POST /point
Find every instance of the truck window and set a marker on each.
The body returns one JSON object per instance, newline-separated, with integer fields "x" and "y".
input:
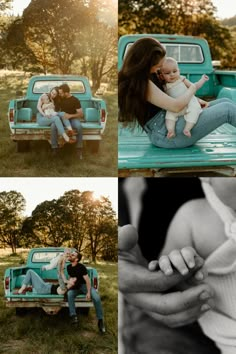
{"x": 39, "y": 257}
{"x": 76, "y": 86}
{"x": 183, "y": 53}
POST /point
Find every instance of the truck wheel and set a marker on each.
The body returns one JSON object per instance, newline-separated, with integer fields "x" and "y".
{"x": 83, "y": 311}
{"x": 23, "y": 146}
{"x": 94, "y": 146}
{"x": 21, "y": 311}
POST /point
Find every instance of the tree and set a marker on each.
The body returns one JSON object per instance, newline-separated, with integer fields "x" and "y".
{"x": 5, "y": 5}
{"x": 12, "y": 204}
{"x": 100, "y": 56}
{"x": 18, "y": 54}
{"x": 49, "y": 223}
{"x": 51, "y": 28}
{"x": 101, "y": 228}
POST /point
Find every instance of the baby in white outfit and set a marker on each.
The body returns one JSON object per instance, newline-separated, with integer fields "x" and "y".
{"x": 175, "y": 86}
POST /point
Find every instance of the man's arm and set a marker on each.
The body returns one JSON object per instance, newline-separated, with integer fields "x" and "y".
{"x": 79, "y": 114}
{"x": 88, "y": 284}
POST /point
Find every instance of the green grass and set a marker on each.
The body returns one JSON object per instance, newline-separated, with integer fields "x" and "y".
{"x": 38, "y": 162}
{"x": 39, "y": 333}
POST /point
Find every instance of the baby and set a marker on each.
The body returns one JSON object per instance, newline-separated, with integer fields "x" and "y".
{"x": 59, "y": 262}
{"x": 48, "y": 106}
{"x": 176, "y": 85}
{"x": 208, "y": 227}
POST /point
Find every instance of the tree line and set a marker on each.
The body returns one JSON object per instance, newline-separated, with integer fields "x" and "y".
{"x": 65, "y": 37}
{"x": 196, "y": 18}
{"x": 76, "y": 219}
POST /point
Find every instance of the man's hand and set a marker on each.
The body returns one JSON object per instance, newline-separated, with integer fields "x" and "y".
{"x": 67, "y": 116}
{"x": 144, "y": 289}
{"x": 88, "y": 296}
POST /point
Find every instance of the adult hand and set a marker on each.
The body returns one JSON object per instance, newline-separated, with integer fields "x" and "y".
{"x": 66, "y": 116}
{"x": 145, "y": 289}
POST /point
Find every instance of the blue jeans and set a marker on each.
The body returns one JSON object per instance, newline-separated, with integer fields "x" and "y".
{"x": 40, "y": 287}
{"x": 76, "y": 125}
{"x": 55, "y": 121}
{"x": 218, "y": 113}
{"x": 71, "y": 295}
{"x": 66, "y": 122}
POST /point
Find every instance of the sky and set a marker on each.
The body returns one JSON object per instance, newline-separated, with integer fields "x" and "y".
{"x": 226, "y": 8}
{"x": 37, "y": 190}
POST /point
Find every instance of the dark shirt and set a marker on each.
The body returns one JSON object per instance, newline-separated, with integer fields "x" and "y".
{"x": 152, "y": 110}
{"x": 78, "y": 271}
{"x": 54, "y": 289}
{"x": 70, "y": 105}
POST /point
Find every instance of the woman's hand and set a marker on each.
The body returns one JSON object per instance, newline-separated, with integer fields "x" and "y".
{"x": 144, "y": 289}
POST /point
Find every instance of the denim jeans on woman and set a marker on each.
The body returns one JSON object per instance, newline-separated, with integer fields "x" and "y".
{"x": 39, "y": 286}
{"x": 56, "y": 120}
{"x": 76, "y": 125}
{"x": 219, "y": 112}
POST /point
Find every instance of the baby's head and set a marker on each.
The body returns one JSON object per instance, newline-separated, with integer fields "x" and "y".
{"x": 67, "y": 252}
{"x": 45, "y": 99}
{"x": 170, "y": 70}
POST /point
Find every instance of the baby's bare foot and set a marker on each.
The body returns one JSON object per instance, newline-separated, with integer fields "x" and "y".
{"x": 171, "y": 134}
{"x": 187, "y": 133}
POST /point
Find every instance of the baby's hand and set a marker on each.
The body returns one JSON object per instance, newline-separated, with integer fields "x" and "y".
{"x": 181, "y": 260}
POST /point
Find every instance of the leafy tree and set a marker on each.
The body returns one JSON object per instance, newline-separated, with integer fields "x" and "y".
{"x": 101, "y": 228}
{"x": 17, "y": 51}
{"x": 50, "y": 30}
{"x": 5, "y": 5}
{"x": 12, "y": 204}
{"x": 49, "y": 223}
{"x": 100, "y": 56}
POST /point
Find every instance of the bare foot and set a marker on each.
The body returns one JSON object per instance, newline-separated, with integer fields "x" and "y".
{"x": 187, "y": 133}
{"x": 171, "y": 134}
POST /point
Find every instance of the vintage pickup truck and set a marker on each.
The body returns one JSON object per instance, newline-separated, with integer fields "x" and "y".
{"x": 51, "y": 304}
{"x": 22, "y": 111}
{"x": 214, "y": 154}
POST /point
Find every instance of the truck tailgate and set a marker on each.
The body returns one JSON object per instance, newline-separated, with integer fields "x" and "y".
{"x": 216, "y": 149}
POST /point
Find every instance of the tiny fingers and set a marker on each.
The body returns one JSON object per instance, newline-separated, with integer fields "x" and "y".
{"x": 165, "y": 265}
{"x": 178, "y": 261}
{"x": 188, "y": 254}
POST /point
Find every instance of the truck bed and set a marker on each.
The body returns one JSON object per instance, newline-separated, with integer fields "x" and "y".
{"x": 216, "y": 152}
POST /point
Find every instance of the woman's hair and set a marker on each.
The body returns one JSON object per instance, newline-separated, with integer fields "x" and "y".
{"x": 57, "y": 99}
{"x": 133, "y": 79}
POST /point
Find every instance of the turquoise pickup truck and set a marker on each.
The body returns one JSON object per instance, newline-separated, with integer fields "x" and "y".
{"x": 51, "y": 304}
{"x": 214, "y": 154}
{"x": 22, "y": 111}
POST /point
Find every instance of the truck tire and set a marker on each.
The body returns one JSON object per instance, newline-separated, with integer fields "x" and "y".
{"x": 23, "y": 146}
{"x": 94, "y": 146}
{"x": 21, "y": 311}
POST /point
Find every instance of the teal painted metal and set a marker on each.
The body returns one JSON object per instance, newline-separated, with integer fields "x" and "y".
{"x": 31, "y": 299}
{"x": 217, "y": 149}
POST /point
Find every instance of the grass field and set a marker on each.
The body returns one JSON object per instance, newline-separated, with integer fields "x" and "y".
{"x": 38, "y": 162}
{"x": 38, "y": 333}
